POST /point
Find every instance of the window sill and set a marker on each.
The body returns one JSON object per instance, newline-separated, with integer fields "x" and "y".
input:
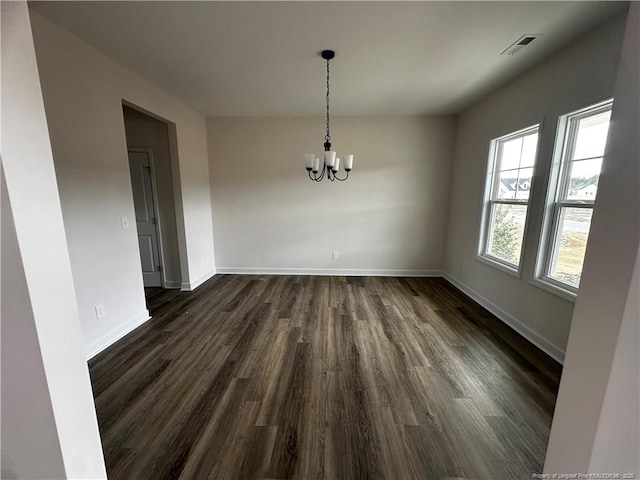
{"x": 554, "y": 289}
{"x": 514, "y": 272}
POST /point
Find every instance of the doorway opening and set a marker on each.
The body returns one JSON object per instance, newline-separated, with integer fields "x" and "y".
{"x": 154, "y": 199}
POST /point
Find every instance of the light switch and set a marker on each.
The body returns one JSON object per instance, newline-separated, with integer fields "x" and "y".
{"x": 124, "y": 221}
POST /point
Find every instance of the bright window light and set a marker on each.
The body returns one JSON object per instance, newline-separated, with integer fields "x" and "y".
{"x": 580, "y": 147}
{"x": 510, "y": 175}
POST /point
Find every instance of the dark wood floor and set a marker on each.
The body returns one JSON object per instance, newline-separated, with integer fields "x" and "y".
{"x": 274, "y": 377}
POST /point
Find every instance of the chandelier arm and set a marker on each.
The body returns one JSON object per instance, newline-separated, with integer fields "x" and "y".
{"x": 320, "y": 177}
{"x": 341, "y": 179}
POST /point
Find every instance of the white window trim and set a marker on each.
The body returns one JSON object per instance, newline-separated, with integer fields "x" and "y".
{"x": 553, "y": 206}
{"x": 485, "y": 216}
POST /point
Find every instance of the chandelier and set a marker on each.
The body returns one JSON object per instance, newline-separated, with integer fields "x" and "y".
{"x": 330, "y": 163}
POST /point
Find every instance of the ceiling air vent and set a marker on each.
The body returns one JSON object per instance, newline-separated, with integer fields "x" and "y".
{"x": 522, "y": 42}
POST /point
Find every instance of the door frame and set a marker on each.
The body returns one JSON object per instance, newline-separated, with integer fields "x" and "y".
{"x": 156, "y": 211}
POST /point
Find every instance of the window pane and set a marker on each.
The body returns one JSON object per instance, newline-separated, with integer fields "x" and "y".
{"x": 507, "y": 185}
{"x": 510, "y": 154}
{"x": 506, "y": 231}
{"x": 514, "y": 184}
{"x": 592, "y": 136}
{"x": 524, "y": 183}
{"x": 570, "y": 245}
{"x": 583, "y": 179}
{"x": 529, "y": 150}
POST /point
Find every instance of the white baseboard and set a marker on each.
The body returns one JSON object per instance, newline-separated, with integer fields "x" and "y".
{"x": 542, "y": 343}
{"x": 103, "y": 342}
{"x": 330, "y": 271}
{"x": 172, "y": 284}
{"x": 192, "y": 285}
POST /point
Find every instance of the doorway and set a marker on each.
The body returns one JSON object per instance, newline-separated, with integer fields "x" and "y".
{"x": 153, "y": 189}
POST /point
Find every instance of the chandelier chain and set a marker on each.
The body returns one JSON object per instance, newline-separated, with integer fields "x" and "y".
{"x": 327, "y": 137}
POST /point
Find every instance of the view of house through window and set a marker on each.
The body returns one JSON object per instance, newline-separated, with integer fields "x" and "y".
{"x": 509, "y": 177}
{"x": 579, "y": 151}
{"x": 582, "y": 137}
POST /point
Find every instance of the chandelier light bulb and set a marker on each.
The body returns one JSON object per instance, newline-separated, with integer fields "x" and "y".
{"x": 309, "y": 158}
{"x": 330, "y": 158}
{"x": 348, "y": 162}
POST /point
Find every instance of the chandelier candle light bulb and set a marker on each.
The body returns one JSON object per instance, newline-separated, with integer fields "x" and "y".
{"x": 309, "y": 159}
{"x": 330, "y": 158}
{"x": 331, "y": 164}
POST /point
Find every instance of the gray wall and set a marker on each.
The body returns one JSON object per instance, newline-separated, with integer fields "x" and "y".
{"x": 576, "y": 76}
{"x": 83, "y": 91}
{"x": 597, "y": 408}
{"x": 28, "y": 426}
{"x": 49, "y": 425}
{"x": 389, "y": 216}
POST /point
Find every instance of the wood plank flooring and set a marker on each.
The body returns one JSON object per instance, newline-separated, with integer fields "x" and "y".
{"x": 275, "y": 377}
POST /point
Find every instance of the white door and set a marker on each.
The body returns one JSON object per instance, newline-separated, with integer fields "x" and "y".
{"x": 146, "y": 220}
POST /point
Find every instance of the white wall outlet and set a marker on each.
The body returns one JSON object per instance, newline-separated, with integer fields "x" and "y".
{"x": 100, "y": 312}
{"x": 124, "y": 221}
{"x": 336, "y": 255}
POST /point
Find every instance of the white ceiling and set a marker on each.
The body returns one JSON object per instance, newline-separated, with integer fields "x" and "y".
{"x": 262, "y": 58}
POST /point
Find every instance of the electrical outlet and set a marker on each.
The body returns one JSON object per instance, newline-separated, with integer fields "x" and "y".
{"x": 100, "y": 311}
{"x": 336, "y": 255}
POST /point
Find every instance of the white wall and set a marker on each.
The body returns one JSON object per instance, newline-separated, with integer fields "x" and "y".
{"x": 83, "y": 92}
{"x": 49, "y": 426}
{"x": 617, "y": 443}
{"x": 576, "y": 76}
{"x": 28, "y": 427}
{"x": 388, "y": 217}
{"x": 145, "y": 131}
{"x": 592, "y": 409}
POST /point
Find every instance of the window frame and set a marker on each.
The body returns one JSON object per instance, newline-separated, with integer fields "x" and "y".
{"x": 556, "y": 201}
{"x": 489, "y": 200}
